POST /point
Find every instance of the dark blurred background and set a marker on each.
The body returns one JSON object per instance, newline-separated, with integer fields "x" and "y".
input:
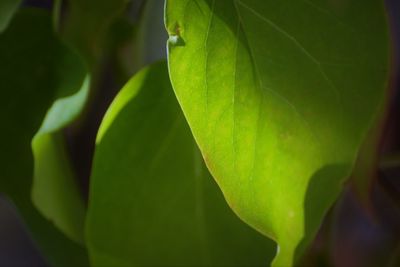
{"x": 352, "y": 234}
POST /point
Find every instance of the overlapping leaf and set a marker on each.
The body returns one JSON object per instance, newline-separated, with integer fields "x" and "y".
{"x": 55, "y": 192}
{"x": 33, "y": 68}
{"x": 279, "y": 95}
{"x": 152, "y": 201}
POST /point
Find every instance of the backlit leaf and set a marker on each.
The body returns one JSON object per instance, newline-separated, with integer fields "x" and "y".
{"x": 279, "y": 96}
{"x": 152, "y": 200}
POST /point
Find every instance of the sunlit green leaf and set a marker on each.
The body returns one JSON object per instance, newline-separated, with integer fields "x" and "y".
{"x": 152, "y": 200}
{"x": 33, "y": 64}
{"x": 279, "y": 95}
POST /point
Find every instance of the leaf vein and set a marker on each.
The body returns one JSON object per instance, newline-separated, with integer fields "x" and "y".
{"x": 297, "y": 43}
{"x": 206, "y": 54}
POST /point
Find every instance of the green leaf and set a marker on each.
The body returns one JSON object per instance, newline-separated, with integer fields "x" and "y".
{"x": 152, "y": 200}
{"x": 7, "y": 10}
{"x": 279, "y": 95}
{"x": 33, "y": 66}
{"x": 55, "y": 192}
